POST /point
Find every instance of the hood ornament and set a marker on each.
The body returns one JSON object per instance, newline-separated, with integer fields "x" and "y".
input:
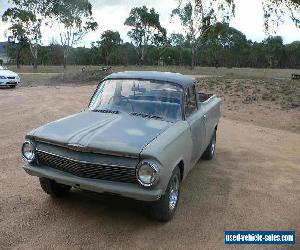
{"x": 76, "y": 147}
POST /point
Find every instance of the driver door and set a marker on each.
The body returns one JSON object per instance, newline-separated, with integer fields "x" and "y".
{"x": 196, "y": 121}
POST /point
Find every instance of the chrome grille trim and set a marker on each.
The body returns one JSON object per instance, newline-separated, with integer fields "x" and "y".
{"x": 87, "y": 169}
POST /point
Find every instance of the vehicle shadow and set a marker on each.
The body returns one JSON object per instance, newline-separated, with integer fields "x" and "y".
{"x": 104, "y": 206}
{"x": 206, "y": 182}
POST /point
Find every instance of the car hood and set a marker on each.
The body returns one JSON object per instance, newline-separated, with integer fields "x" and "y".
{"x": 108, "y": 133}
{"x": 5, "y": 72}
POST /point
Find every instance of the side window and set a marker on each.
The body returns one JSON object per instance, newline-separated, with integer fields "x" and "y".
{"x": 190, "y": 101}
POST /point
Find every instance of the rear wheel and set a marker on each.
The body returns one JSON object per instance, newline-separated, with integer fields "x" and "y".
{"x": 210, "y": 151}
{"x": 164, "y": 209}
{"x": 53, "y": 188}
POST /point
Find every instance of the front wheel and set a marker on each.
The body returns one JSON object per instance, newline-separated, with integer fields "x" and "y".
{"x": 53, "y": 188}
{"x": 210, "y": 151}
{"x": 164, "y": 209}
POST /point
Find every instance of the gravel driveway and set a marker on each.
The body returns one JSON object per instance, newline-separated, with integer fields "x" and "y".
{"x": 253, "y": 184}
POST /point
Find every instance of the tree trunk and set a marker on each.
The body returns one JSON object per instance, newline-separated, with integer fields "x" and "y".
{"x": 65, "y": 59}
{"x": 66, "y": 53}
{"x": 34, "y": 52}
{"x": 270, "y": 61}
{"x": 65, "y": 62}
{"x": 35, "y": 62}
{"x": 142, "y": 59}
{"x": 181, "y": 58}
{"x": 18, "y": 57}
{"x": 141, "y": 62}
{"x": 193, "y": 57}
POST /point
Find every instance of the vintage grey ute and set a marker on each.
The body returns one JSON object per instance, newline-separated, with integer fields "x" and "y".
{"x": 139, "y": 137}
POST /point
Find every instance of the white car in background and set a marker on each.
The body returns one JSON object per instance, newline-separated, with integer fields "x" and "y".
{"x": 8, "y": 78}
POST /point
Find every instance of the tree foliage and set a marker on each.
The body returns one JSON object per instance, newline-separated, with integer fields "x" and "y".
{"x": 75, "y": 17}
{"x": 197, "y": 16}
{"x": 222, "y": 39}
{"x": 110, "y": 41}
{"x": 26, "y": 18}
{"x": 145, "y": 30}
{"x": 275, "y": 11}
{"x": 207, "y": 38}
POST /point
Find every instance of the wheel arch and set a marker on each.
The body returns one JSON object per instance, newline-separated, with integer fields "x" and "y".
{"x": 180, "y": 165}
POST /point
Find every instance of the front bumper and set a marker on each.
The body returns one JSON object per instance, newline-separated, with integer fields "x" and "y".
{"x": 9, "y": 83}
{"x": 133, "y": 191}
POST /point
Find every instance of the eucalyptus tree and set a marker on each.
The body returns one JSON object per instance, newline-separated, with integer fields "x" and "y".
{"x": 277, "y": 11}
{"x": 178, "y": 41}
{"x": 274, "y": 50}
{"x": 26, "y": 18}
{"x": 197, "y": 16}
{"x": 145, "y": 30}
{"x": 274, "y": 11}
{"x": 75, "y": 21}
{"x": 17, "y": 48}
{"x": 110, "y": 41}
{"x": 223, "y": 42}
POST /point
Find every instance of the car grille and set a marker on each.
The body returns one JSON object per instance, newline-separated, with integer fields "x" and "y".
{"x": 10, "y": 77}
{"x": 87, "y": 170}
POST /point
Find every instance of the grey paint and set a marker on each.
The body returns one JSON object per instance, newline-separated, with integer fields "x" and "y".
{"x": 129, "y": 136}
{"x": 176, "y": 78}
{"x": 109, "y": 132}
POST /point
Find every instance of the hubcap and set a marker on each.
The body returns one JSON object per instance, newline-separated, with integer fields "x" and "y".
{"x": 174, "y": 192}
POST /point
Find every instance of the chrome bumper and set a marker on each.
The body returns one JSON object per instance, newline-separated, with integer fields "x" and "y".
{"x": 133, "y": 191}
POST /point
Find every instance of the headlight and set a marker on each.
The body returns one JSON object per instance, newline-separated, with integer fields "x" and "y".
{"x": 147, "y": 173}
{"x": 2, "y": 77}
{"x": 28, "y": 151}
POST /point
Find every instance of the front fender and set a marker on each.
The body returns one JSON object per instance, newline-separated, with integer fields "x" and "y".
{"x": 169, "y": 149}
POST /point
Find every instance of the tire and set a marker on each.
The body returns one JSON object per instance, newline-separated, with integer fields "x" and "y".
{"x": 53, "y": 188}
{"x": 210, "y": 151}
{"x": 164, "y": 209}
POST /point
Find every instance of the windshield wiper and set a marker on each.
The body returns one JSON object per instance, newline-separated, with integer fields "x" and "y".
{"x": 106, "y": 111}
{"x": 144, "y": 115}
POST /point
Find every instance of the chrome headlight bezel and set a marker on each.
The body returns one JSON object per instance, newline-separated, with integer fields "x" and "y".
{"x": 32, "y": 145}
{"x": 152, "y": 166}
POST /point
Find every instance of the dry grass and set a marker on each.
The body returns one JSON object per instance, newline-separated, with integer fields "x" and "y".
{"x": 245, "y": 84}
{"x": 285, "y": 93}
{"x": 210, "y": 71}
{"x": 80, "y": 77}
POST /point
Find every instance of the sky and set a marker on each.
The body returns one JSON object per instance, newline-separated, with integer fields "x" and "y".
{"x": 111, "y": 14}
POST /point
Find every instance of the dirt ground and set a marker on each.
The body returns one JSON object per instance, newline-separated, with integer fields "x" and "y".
{"x": 252, "y": 184}
{"x": 264, "y": 102}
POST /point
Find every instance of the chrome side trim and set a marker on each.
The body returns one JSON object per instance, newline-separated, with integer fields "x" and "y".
{"x": 85, "y": 162}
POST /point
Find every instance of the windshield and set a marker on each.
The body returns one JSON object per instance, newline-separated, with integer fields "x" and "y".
{"x": 152, "y": 99}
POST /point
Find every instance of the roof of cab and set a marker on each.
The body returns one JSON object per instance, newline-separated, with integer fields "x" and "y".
{"x": 177, "y": 78}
